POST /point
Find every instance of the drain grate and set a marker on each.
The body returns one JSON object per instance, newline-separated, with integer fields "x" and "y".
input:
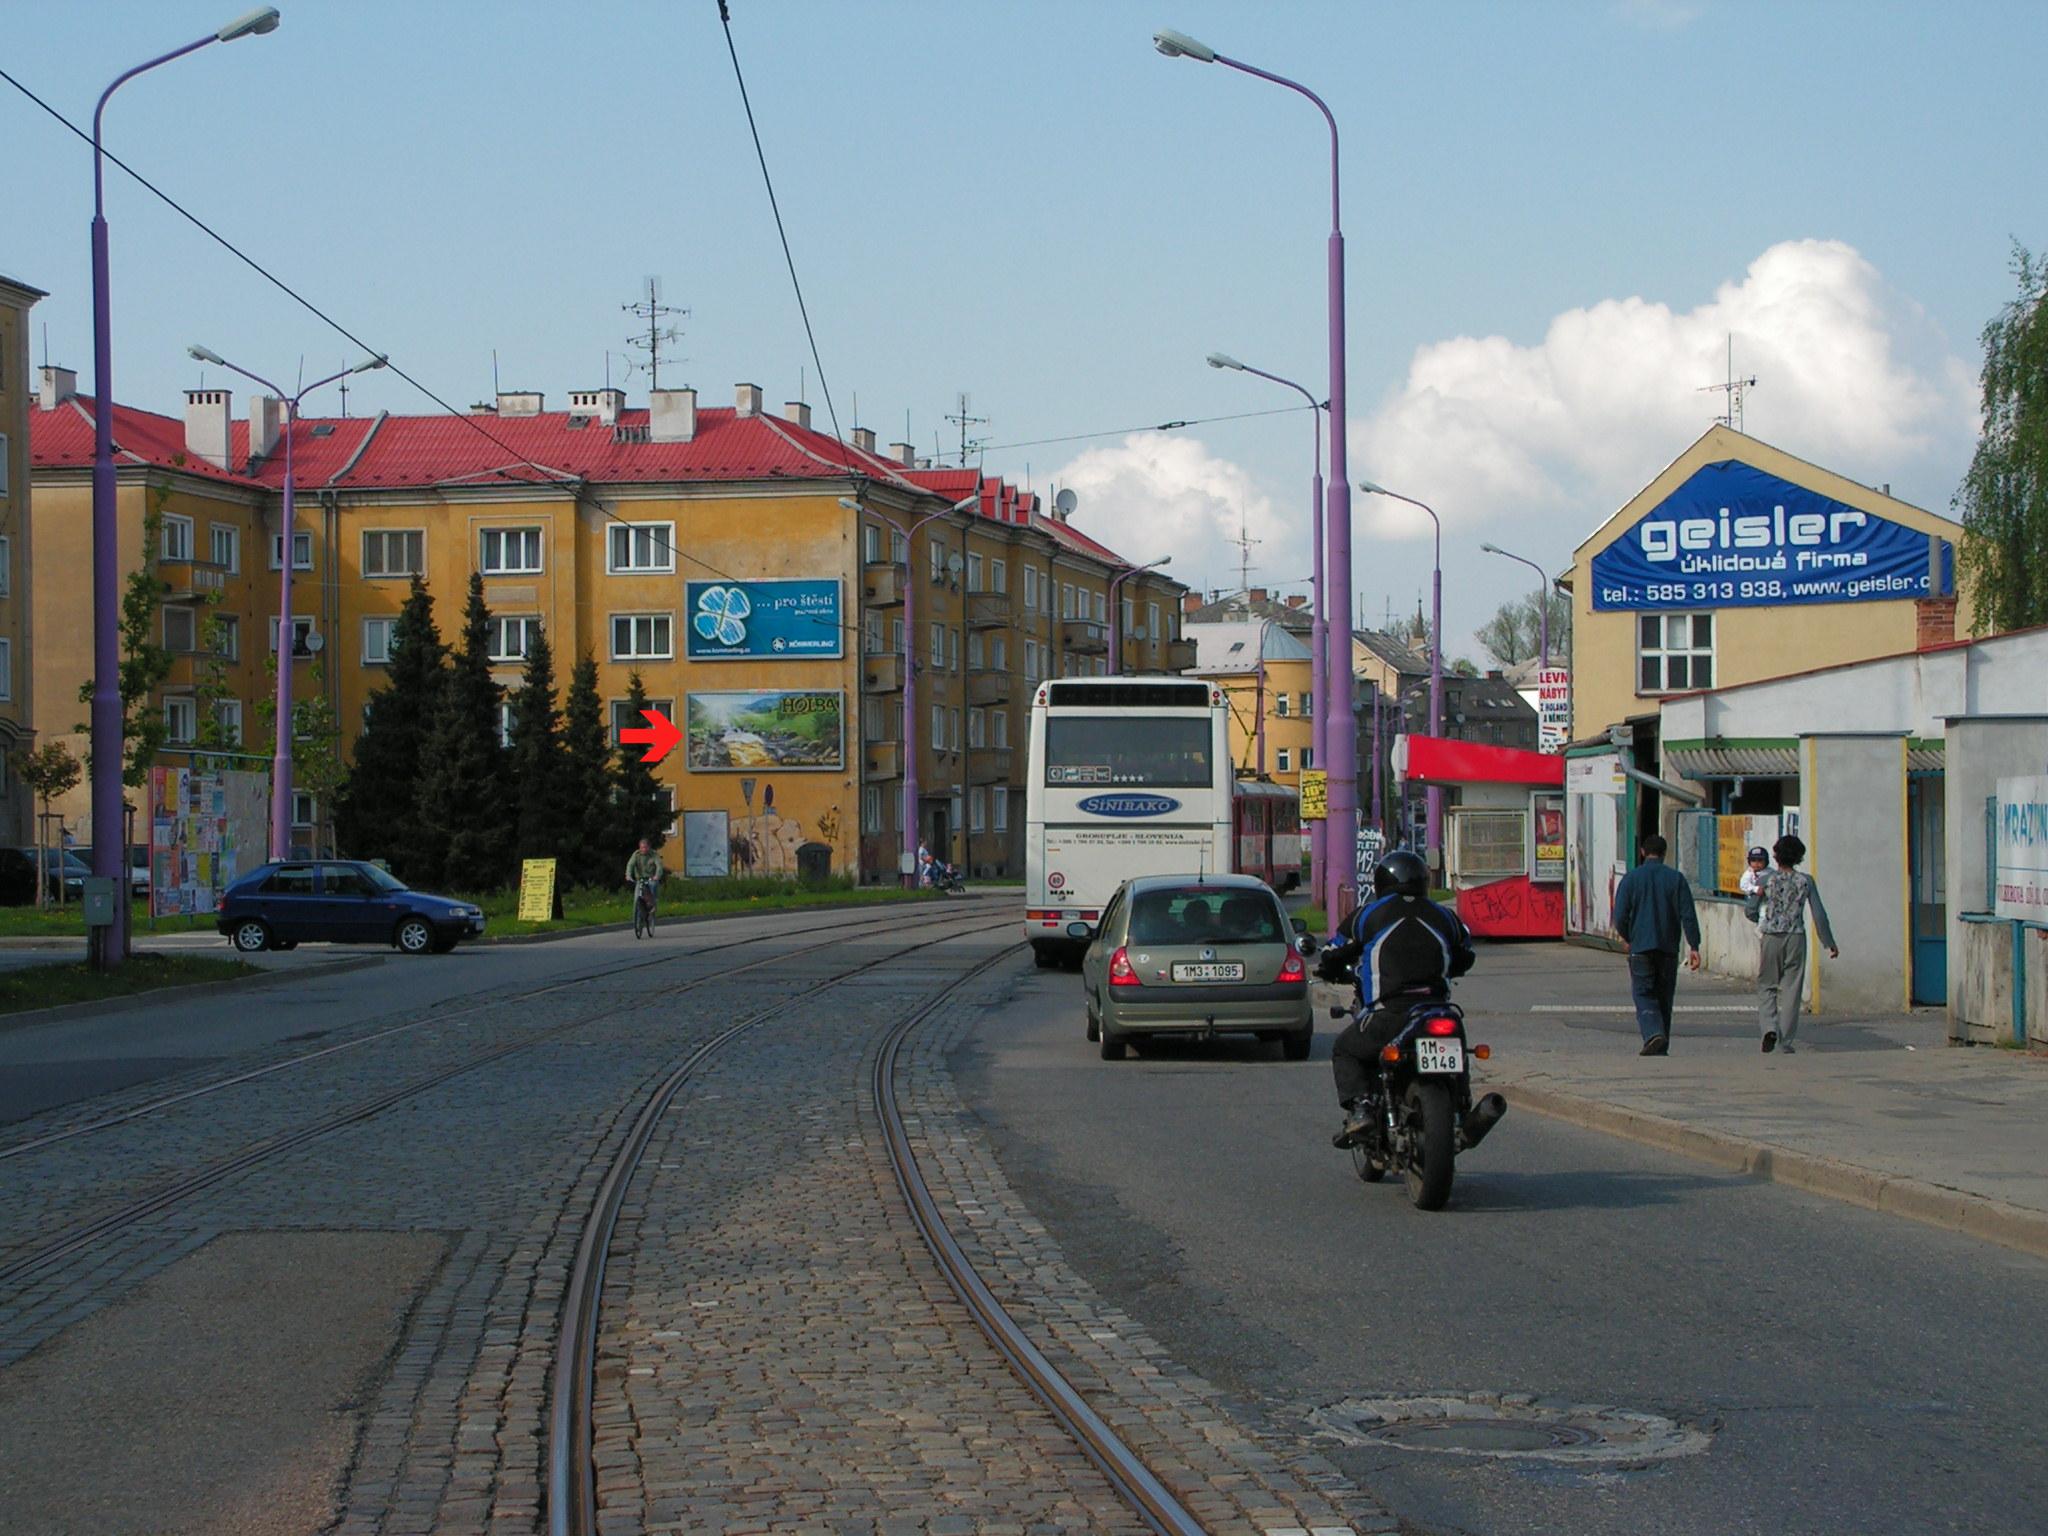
{"x": 1512, "y": 1426}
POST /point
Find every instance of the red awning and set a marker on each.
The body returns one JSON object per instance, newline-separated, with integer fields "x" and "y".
{"x": 1439, "y": 760}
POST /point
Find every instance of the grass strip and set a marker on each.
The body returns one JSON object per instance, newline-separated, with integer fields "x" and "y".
{"x": 48, "y": 986}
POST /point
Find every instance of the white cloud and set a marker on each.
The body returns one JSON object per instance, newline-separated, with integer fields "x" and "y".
{"x": 1852, "y": 377}
{"x": 1154, "y": 494}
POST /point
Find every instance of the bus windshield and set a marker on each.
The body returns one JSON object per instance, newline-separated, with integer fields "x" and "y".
{"x": 1160, "y": 751}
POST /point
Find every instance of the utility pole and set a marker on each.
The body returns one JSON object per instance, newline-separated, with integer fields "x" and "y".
{"x": 657, "y": 335}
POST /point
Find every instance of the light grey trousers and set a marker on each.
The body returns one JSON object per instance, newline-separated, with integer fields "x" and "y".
{"x": 1780, "y": 983}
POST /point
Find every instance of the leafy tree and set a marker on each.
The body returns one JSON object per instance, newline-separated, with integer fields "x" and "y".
{"x": 590, "y": 779}
{"x": 212, "y": 685}
{"x": 145, "y": 662}
{"x": 465, "y": 789}
{"x": 643, "y": 806}
{"x": 539, "y": 770}
{"x": 377, "y": 814}
{"x": 316, "y": 739}
{"x": 46, "y": 772}
{"x": 1515, "y": 632}
{"x": 2004, "y": 497}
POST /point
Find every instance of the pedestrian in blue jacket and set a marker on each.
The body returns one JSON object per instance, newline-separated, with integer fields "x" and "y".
{"x": 1652, "y": 907}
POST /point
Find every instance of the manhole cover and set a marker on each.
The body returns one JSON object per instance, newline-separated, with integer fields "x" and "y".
{"x": 1514, "y": 1426}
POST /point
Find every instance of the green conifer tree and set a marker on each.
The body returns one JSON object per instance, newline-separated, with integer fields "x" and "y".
{"x": 539, "y": 790}
{"x": 377, "y": 812}
{"x": 465, "y": 784}
{"x": 591, "y": 783}
{"x": 642, "y": 806}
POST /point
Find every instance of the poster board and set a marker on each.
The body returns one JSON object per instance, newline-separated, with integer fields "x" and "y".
{"x": 707, "y": 844}
{"x": 207, "y": 827}
{"x": 1315, "y": 795}
{"x": 2021, "y": 837}
{"x": 1553, "y": 709}
{"x": 793, "y": 730}
{"x": 1547, "y": 864}
{"x": 536, "y": 890}
{"x": 764, "y": 620}
{"x": 1597, "y": 811}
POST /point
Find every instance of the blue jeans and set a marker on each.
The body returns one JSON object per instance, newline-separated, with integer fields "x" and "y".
{"x": 1653, "y": 974}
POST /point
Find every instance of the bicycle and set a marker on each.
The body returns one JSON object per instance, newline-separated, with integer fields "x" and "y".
{"x": 643, "y": 909}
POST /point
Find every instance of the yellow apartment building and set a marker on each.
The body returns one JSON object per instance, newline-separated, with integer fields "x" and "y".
{"x": 17, "y": 683}
{"x": 1265, "y": 673}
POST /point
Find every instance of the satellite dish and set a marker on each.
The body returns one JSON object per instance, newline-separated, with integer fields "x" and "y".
{"x": 315, "y": 641}
{"x": 1065, "y": 502}
{"x": 955, "y": 564}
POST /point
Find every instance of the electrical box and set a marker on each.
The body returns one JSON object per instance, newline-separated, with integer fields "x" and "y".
{"x": 99, "y": 901}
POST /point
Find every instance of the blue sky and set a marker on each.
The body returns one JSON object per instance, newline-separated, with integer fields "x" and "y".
{"x": 1027, "y": 203}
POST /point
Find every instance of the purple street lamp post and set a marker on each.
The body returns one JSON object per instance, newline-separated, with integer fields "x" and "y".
{"x": 910, "y": 785}
{"x": 1319, "y": 669}
{"x": 1433, "y": 834}
{"x": 287, "y": 651}
{"x": 109, "y": 836}
{"x": 1116, "y": 614}
{"x": 1542, "y": 596}
{"x": 1340, "y": 731}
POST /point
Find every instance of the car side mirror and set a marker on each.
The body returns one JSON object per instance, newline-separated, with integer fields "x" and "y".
{"x": 1304, "y": 945}
{"x": 1301, "y": 925}
{"x": 1082, "y": 931}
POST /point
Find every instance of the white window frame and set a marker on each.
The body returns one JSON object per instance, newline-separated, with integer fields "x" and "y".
{"x": 504, "y": 722}
{"x": 1101, "y": 605}
{"x": 1308, "y": 758}
{"x": 1664, "y": 652}
{"x": 1279, "y": 706}
{"x": 302, "y": 624}
{"x": 6, "y": 667}
{"x": 871, "y": 633}
{"x": 977, "y": 727}
{"x": 302, "y": 551}
{"x": 495, "y": 633}
{"x": 896, "y": 636}
{"x": 977, "y": 809}
{"x": 3, "y": 464}
{"x": 1031, "y": 589}
{"x": 935, "y": 557}
{"x": 899, "y": 547}
{"x": 1152, "y": 623}
{"x": 382, "y": 538}
{"x": 1305, "y": 705}
{"x": 1284, "y": 759}
{"x": 174, "y": 540}
{"x": 181, "y": 720}
{"x": 660, "y": 539}
{"x": 871, "y": 810}
{"x": 388, "y": 628}
{"x": 977, "y": 652}
{"x": 305, "y": 809}
{"x": 974, "y": 571}
{"x": 1002, "y": 729}
{"x": 216, "y": 534}
{"x": 870, "y": 543}
{"x": 938, "y": 647}
{"x": 504, "y": 538}
{"x": 6, "y": 562}
{"x": 1127, "y": 613}
{"x": 999, "y": 576}
{"x": 615, "y": 713}
{"x": 999, "y": 653}
{"x": 938, "y": 727}
{"x": 666, "y": 623}
{"x": 1002, "y": 806}
{"x": 229, "y": 713}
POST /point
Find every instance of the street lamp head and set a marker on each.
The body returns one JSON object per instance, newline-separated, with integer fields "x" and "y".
{"x": 1224, "y": 360}
{"x": 206, "y": 355}
{"x": 1493, "y": 549}
{"x": 1178, "y": 45}
{"x": 850, "y": 504}
{"x": 381, "y": 360}
{"x": 259, "y": 21}
{"x": 1373, "y": 488}
{"x": 1163, "y": 560}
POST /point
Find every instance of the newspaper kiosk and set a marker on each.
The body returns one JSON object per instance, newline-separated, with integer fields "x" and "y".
{"x": 1504, "y": 839}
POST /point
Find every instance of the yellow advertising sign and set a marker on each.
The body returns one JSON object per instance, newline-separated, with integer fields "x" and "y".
{"x": 536, "y": 890}
{"x": 1315, "y": 795}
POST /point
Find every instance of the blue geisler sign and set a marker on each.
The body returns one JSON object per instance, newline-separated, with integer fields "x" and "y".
{"x": 736, "y": 620}
{"x": 1734, "y": 536}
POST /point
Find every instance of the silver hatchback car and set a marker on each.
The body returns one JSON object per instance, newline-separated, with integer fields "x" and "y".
{"x": 1182, "y": 954}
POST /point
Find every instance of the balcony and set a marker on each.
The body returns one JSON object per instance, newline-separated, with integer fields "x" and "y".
{"x": 882, "y": 585}
{"x": 881, "y": 674}
{"x": 988, "y": 765}
{"x": 1085, "y": 636}
{"x": 988, "y": 610}
{"x": 1180, "y": 655}
{"x": 189, "y": 579}
{"x": 985, "y": 685}
{"x": 883, "y": 759}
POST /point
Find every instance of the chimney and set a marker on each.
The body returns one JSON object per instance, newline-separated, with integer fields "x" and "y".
{"x": 1934, "y": 622}
{"x": 266, "y": 422}
{"x": 59, "y": 385}
{"x": 1257, "y": 594}
{"x": 483, "y": 408}
{"x": 605, "y": 404}
{"x": 1190, "y": 601}
{"x": 864, "y": 439}
{"x": 207, "y": 412}
{"x": 671, "y": 415}
{"x": 903, "y": 454}
{"x": 747, "y": 399}
{"x": 519, "y": 402}
{"x": 797, "y": 413}
{"x": 1296, "y": 600}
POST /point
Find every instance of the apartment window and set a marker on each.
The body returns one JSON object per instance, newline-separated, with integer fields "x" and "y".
{"x": 1308, "y": 758}
{"x": 1002, "y": 798}
{"x": 1280, "y": 705}
{"x": 1067, "y": 600}
{"x": 977, "y": 809}
{"x": 999, "y": 576}
{"x": 1285, "y": 760}
{"x": 6, "y": 669}
{"x": 305, "y": 809}
{"x": 871, "y": 633}
{"x": 509, "y": 552}
{"x": 1674, "y": 652}
{"x": 1152, "y": 623}
{"x": 1002, "y": 728}
{"x": 636, "y": 548}
{"x": 953, "y": 732}
{"x": 871, "y": 809}
{"x": 870, "y": 544}
{"x": 999, "y": 653}
{"x": 642, "y": 637}
{"x": 227, "y": 714}
{"x": 181, "y": 630}
{"x": 874, "y": 725}
{"x": 377, "y": 637}
{"x": 975, "y": 652}
{"x": 1128, "y": 618}
{"x": 1101, "y": 608}
{"x": 953, "y": 650}
{"x": 974, "y": 571}
{"x": 3, "y": 463}
{"x": 977, "y": 727}
{"x": 509, "y": 639}
{"x": 1305, "y": 704}
{"x": 302, "y": 631}
{"x": 394, "y": 552}
{"x": 938, "y": 650}
{"x": 1031, "y": 588}
{"x": 623, "y": 716}
{"x": 302, "y": 551}
{"x": 227, "y": 636}
{"x": 6, "y": 562}
{"x": 899, "y": 547}
{"x": 181, "y": 720}
{"x": 176, "y": 538}
{"x": 224, "y": 546}
{"x": 938, "y": 728}
{"x": 936, "y": 558}
{"x": 896, "y": 636}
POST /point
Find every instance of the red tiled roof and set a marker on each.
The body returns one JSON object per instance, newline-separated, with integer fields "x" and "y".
{"x": 62, "y": 439}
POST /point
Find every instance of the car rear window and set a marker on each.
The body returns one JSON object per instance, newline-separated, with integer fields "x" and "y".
{"x": 1205, "y": 915}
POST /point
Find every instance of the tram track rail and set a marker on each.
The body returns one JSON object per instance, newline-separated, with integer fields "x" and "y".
{"x": 571, "y": 1472}
{"x": 181, "y": 1187}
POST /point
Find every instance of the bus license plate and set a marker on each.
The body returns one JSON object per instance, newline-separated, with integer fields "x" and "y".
{"x": 1439, "y": 1056}
{"x": 1230, "y": 970}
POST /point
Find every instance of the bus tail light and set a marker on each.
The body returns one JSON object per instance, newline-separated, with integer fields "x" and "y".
{"x": 1120, "y": 972}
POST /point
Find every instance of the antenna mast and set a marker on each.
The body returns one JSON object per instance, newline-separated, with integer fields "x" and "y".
{"x": 657, "y": 335}
{"x": 1734, "y": 389}
{"x": 1244, "y": 542}
{"x": 967, "y": 445}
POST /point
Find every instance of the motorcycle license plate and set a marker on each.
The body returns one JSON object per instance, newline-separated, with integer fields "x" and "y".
{"x": 1221, "y": 970}
{"x": 1439, "y": 1056}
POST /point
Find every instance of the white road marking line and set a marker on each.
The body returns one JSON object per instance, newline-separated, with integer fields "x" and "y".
{"x": 1626, "y": 1008}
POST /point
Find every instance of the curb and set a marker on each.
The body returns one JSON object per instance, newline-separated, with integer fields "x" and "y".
{"x": 556, "y": 935}
{"x": 28, "y": 1018}
{"x": 1978, "y": 1216}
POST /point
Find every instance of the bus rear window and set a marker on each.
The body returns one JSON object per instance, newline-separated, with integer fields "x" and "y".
{"x": 1161, "y": 752}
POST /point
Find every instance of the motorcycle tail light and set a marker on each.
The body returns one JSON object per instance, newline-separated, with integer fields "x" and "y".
{"x": 1440, "y": 1027}
{"x": 1291, "y": 969}
{"x": 1390, "y": 1054}
{"x": 1120, "y": 972}
{"x": 1483, "y": 1052}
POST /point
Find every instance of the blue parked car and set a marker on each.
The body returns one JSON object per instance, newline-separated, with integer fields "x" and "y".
{"x": 343, "y": 901}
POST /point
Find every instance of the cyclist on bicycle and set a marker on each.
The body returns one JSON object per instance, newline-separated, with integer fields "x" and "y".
{"x": 645, "y": 867}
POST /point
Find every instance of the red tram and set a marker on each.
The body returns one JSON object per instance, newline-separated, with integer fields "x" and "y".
{"x": 1265, "y": 826}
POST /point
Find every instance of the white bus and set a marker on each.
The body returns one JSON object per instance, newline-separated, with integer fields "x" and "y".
{"x": 1128, "y": 776}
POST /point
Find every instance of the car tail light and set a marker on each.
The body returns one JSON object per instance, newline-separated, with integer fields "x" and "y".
{"x": 1120, "y": 972}
{"x": 1291, "y": 969}
{"x": 1441, "y": 1026}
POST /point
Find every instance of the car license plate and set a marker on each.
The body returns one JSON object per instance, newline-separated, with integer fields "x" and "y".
{"x": 1439, "y": 1056}
{"x": 1221, "y": 970}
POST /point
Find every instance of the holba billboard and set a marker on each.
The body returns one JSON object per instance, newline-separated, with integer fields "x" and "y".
{"x": 1734, "y": 536}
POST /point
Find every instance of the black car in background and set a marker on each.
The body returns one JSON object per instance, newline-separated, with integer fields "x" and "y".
{"x": 138, "y": 867}
{"x": 341, "y": 901}
{"x": 18, "y": 875}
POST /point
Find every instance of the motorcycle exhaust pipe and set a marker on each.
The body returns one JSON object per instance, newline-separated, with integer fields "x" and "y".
{"x": 1486, "y": 1114}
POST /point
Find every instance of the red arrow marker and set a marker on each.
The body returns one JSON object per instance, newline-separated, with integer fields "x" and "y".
{"x": 660, "y": 736}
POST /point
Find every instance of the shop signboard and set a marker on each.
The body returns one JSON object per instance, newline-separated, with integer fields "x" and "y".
{"x": 764, "y": 620}
{"x": 1553, "y": 708}
{"x": 795, "y": 730}
{"x": 206, "y": 826}
{"x": 1315, "y": 795}
{"x": 1372, "y": 843}
{"x": 536, "y": 890}
{"x": 2021, "y": 834}
{"x": 1734, "y": 536}
{"x": 1548, "y": 866}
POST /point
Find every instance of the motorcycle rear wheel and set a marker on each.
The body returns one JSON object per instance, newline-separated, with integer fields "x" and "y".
{"x": 1368, "y": 1169}
{"x": 1431, "y": 1149}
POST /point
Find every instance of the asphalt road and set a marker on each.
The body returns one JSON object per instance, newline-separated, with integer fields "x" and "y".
{"x": 1852, "y": 1371}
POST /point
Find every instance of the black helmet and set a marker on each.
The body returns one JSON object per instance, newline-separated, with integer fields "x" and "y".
{"x": 1401, "y": 873}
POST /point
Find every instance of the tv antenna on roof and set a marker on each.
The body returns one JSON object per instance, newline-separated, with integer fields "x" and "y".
{"x": 1244, "y": 542}
{"x": 1734, "y": 389}
{"x": 657, "y": 335}
{"x": 965, "y": 419}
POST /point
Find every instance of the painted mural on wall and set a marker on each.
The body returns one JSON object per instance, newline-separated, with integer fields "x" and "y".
{"x": 1734, "y": 536}
{"x": 752, "y": 620}
{"x": 794, "y": 730}
{"x": 767, "y": 842}
{"x": 206, "y": 827}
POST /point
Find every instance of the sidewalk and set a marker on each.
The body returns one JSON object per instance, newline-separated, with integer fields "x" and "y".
{"x": 1881, "y": 1112}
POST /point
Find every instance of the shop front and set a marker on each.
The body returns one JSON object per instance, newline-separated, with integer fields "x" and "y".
{"x": 1504, "y": 837}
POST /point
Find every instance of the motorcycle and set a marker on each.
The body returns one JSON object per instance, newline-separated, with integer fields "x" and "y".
{"x": 1426, "y": 1111}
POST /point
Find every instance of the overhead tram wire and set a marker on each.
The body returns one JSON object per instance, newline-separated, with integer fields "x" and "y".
{"x": 1157, "y": 426}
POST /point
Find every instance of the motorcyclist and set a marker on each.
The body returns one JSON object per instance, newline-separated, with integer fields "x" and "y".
{"x": 1404, "y": 948}
{"x": 645, "y": 866}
